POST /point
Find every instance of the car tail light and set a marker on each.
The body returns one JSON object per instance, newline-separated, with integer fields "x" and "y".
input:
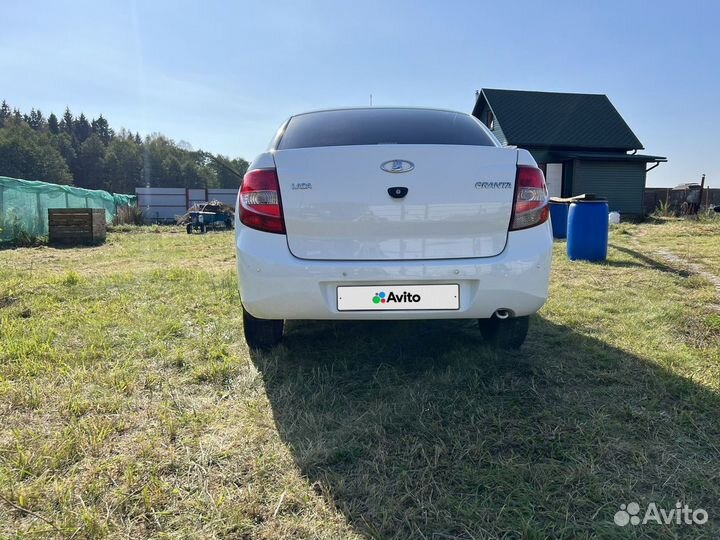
{"x": 260, "y": 205}
{"x": 531, "y": 198}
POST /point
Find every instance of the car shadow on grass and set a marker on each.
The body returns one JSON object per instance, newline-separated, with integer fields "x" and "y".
{"x": 415, "y": 429}
{"x": 645, "y": 261}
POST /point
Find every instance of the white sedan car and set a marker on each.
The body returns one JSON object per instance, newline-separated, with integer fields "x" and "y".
{"x": 391, "y": 213}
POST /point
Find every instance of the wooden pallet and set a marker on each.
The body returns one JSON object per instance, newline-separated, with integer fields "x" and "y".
{"x": 72, "y": 226}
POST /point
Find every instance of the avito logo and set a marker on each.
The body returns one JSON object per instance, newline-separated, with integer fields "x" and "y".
{"x": 382, "y": 298}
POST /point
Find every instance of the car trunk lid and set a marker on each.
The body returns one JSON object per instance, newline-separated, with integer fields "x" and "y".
{"x": 337, "y": 204}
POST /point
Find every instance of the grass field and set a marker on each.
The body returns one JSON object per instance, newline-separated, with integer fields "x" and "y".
{"x": 131, "y": 407}
{"x": 694, "y": 242}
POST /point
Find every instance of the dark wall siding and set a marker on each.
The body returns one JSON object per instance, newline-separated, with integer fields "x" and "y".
{"x": 568, "y": 167}
{"x": 542, "y": 156}
{"x": 623, "y": 183}
{"x": 498, "y": 132}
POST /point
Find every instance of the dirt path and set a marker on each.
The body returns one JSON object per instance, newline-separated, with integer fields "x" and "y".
{"x": 694, "y": 268}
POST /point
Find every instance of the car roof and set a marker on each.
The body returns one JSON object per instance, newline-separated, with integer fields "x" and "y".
{"x": 340, "y": 109}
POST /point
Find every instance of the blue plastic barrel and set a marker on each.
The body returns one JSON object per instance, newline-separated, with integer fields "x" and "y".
{"x": 558, "y": 218}
{"x": 587, "y": 230}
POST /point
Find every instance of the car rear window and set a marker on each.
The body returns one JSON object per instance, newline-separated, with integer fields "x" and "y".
{"x": 382, "y": 126}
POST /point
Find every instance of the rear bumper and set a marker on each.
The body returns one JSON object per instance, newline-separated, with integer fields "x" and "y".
{"x": 274, "y": 284}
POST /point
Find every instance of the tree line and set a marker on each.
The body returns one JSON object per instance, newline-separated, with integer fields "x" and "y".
{"x": 88, "y": 153}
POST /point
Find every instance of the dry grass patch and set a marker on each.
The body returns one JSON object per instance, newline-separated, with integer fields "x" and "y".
{"x": 131, "y": 407}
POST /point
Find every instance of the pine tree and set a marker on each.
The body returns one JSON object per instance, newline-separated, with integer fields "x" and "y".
{"x": 66, "y": 124}
{"x": 64, "y": 145}
{"x": 53, "y": 125}
{"x": 90, "y": 163}
{"x": 17, "y": 115}
{"x": 82, "y": 128}
{"x": 102, "y": 129}
{"x": 4, "y": 113}
{"x": 36, "y": 120}
{"x": 138, "y": 140}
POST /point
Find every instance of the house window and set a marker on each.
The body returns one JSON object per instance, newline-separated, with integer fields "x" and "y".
{"x": 490, "y": 122}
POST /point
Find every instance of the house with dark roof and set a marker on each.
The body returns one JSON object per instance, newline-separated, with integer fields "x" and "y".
{"x": 580, "y": 141}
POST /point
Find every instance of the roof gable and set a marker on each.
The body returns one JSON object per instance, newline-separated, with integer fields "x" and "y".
{"x": 558, "y": 120}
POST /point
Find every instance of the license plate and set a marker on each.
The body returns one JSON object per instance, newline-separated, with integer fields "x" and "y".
{"x": 398, "y": 297}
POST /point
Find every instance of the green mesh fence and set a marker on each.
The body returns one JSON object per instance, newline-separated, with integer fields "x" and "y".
{"x": 24, "y": 204}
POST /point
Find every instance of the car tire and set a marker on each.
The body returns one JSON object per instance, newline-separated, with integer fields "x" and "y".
{"x": 505, "y": 333}
{"x": 262, "y": 334}
{"x": 189, "y": 228}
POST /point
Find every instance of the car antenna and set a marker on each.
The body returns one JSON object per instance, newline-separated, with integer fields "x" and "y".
{"x": 222, "y": 164}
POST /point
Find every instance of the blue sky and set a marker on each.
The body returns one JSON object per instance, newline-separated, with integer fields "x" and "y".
{"x": 222, "y": 75}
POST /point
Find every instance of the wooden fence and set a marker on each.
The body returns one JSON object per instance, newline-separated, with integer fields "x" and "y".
{"x": 654, "y": 197}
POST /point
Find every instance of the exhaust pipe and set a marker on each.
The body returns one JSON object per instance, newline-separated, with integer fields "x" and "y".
{"x": 502, "y": 313}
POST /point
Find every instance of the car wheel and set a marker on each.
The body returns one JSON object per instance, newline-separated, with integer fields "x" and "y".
{"x": 189, "y": 228}
{"x": 505, "y": 333}
{"x": 261, "y": 334}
